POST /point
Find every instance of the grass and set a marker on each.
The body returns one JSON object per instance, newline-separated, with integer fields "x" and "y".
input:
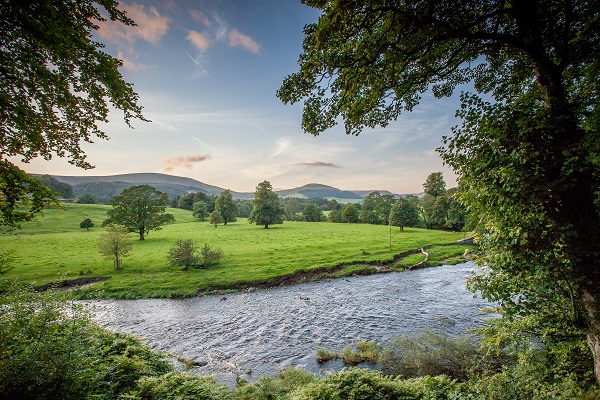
{"x": 54, "y": 248}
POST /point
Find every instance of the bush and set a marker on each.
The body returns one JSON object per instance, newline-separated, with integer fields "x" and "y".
{"x": 182, "y": 386}
{"x": 324, "y": 355}
{"x": 50, "y": 349}
{"x": 275, "y": 387}
{"x": 184, "y": 253}
{"x": 209, "y": 256}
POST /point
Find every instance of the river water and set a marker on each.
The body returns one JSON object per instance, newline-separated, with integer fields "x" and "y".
{"x": 261, "y": 332}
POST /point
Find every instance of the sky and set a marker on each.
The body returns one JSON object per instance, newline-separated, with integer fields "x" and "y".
{"x": 207, "y": 71}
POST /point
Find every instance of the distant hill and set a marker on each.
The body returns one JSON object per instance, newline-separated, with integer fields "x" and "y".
{"x": 104, "y": 187}
{"x": 315, "y": 190}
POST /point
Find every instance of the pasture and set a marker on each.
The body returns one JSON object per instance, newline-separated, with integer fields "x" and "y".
{"x": 54, "y": 248}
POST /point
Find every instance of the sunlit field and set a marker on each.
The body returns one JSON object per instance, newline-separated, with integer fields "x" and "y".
{"x": 54, "y": 248}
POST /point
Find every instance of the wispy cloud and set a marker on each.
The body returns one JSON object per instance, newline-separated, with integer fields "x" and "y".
{"x": 200, "y": 17}
{"x": 129, "y": 64}
{"x": 199, "y": 40}
{"x": 150, "y": 26}
{"x": 236, "y": 38}
{"x": 184, "y": 161}
{"x": 282, "y": 144}
{"x": 318, "y": 164}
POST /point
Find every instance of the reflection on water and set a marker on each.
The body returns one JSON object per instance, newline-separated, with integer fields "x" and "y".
{"x": 257, "y": 333}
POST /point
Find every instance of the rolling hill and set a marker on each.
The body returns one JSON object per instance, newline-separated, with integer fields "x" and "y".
{"x": 104, "y": 187}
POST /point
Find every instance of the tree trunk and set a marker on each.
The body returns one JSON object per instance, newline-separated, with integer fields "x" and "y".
{"x": 590, "y": 304}
{"x": 266, "y": 226}
{"x": 141, "y": 232}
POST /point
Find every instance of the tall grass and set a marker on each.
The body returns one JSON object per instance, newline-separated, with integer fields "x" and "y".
{"x": 54, "y": 248}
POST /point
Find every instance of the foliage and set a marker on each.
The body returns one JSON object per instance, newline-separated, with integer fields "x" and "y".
{"x": 86, "y": 223}
{"x": 350, "y": 213}
{"x": 435, "y": 185}
{"x": 276, "y": 387}
{"x": 528, "y": 158}
{"x": 140, "y": 209}
{"x": 181, "y": 386}
{"x": 215, "y": 218}
{"x": 226, "y": 206}
{"x": 404, "y": 213}
{"x": 324, "y": 354}
{"x": 209, "y": 256}
{"x": 267, "y": 209}
{"x": 200, "y": 210}
{"x": 113, "y": 244}
{"x": 335, "y": 216}
{"x": 57, "y": 83}
{"x": 88, "y": 198}
{"x": 312, "y": 213}
{"x": 50, "y": 349}
{"x": 184, "y": 253}
{"x": 64, "y": 190}
{"x": 17, "y": 191}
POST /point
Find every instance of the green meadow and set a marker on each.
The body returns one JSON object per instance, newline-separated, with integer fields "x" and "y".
{"x": 54, "y": 249}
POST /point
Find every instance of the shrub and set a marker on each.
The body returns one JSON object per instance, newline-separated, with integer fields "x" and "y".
{"x": 275, "y": 387}
{"x": 351, "y": 356}
{"x": 50, "y": 349}
{"x": 182, "y": 386}
{"x": 209, "y": 256}
{"x": 184, "y": 253}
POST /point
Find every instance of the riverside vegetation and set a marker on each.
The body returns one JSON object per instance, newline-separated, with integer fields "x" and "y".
{"x": 252, "y": 256}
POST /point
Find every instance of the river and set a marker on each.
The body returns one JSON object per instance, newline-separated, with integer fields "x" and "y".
{"x": 250, "y": 334}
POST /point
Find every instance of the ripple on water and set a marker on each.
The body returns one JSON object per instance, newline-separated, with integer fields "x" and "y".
{"x": 267, "y": 330}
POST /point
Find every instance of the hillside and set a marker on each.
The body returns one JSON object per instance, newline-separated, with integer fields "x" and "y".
{"x": 104, "y": 187}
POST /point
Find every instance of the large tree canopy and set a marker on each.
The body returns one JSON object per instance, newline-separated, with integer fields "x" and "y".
{"x": 139, "y": 209}
{"x": 528, "y": 159}
{"x": 56, "y": 83}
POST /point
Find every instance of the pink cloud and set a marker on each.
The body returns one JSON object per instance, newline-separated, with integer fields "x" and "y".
{"x": 185, "y": 162}
{"x": 129, "y": 64}
{"x": 151, "y": 26}
{"x": 318, "y": 164}
{"x": 200, "y": 41}
{"x": 200, "y": 17}
{"x": 239, "y": 39}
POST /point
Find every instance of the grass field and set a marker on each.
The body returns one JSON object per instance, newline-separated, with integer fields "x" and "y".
{"x": 54, "y": 248}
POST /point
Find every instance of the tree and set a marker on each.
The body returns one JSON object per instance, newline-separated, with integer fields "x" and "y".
{"x": 86, "y": 223}
{"x": 113, "y": 244}
{"x": 435, "y": 185}
{"x": 88, "y": 198}
{"x": 528, "y": 158}
{"x": 291, "y": 208}
{"x": 184, "y": 253}
{"x": 404, "y": 213}
{"x": 226, "y": 206}
{"x": 64, "y": 190}
{"x": 21, "y": 196}
{"x": 350, "y": 213}
{"x": 312, "y": 213}
{"x": 335, "y": 216}
{"x": 200, "y": 210}
{"x": 57, "y": 84}
{"x": 140, "y": 209}
{"x": 215, "y": 218}
{"x": 267, "y": 209}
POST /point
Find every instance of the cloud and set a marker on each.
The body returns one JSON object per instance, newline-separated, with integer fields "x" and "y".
{"x": 151, "y": 26}
{"x": 199, "y": 40}
{"x": 200, "y": 17}
{"x": 129, "y": 64}
{"x": 184, "y": 162}
{"x": 239, "y": 39}
{"x": 282, "y": 145}
{"x": 319, "y": 164}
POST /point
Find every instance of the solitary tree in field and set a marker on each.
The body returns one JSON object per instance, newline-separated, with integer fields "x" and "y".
{"x": 226, "y": 206}
{"x": 86, "y": 223}
{"x": 404, "y": 213}
{"x": 140, "y": 209}
{"x": 527, "y": 157}
{"x": 113, "y": 244}
{"x": 267, "y": 209}
{"x": 57, "y": 84}
{"x": 215, "y": 218}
